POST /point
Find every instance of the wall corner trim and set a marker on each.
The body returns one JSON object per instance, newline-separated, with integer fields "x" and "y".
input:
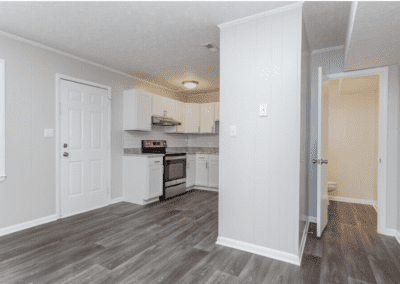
{"x": 263, "y": 251}
{"x": 303, "y": 241}
{"x": 397, "y": 236}
{"x": 27, "y": 225}
{"x": 322, "y": 50}
{"x": 116, "y": 200}
{"x": 42, "y": 46}
{"x": 261, "y": 15}
{"x": 2, "y": 120}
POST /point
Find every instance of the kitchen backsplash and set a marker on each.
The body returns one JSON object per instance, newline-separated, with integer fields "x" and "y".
{"x": 132, "y": 139}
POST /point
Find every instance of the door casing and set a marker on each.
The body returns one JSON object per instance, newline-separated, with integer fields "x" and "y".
{"x": 58, "y": 136}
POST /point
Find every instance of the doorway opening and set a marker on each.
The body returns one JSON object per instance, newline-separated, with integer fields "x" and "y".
{"x": 353, "y": 151}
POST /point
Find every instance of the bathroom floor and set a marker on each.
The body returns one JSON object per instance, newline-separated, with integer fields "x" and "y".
{"x": 351, "y": 250}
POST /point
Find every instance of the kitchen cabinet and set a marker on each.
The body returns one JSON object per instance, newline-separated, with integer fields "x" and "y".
{"x": 143, "y": 179}
{"x": 136, "y": 110}
{"x": 201, "y": 170}
{"x": 207, "y": 118}
{"x": 207, "y": 171}
{"x": 190, "y": 170}
{"x": 157, "y": 108}
{"x": 192, "y": 118}
{"x": 213, "y": 171}
{"x": 177, "y": 112}
{"x": 216, "y": 107}
{"x": 155, "y": 174}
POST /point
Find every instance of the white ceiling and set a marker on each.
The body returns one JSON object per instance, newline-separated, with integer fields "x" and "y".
{"x": 326, "y": 23}
{"x": 375, "y": 39}
{"x": 157, "y": 41}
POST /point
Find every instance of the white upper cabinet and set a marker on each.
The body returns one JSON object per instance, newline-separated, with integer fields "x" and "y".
{"x": 137, "y": 110}
{"x": 192, "y": 118}
{"x": 216, "y": 106}
{"x": 207, "y": 118}
{"x": 158, "y": 106}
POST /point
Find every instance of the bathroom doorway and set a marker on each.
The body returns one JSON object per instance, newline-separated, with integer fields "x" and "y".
{"x": 353, "y": 149}
{"x": 387, "y": 136}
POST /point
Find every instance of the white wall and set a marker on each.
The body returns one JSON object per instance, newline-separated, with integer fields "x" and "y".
{"x": 28, "y": 192}
{"x": 260, "y": 168}
{"x": 392, "y": 148}
{"x": 132, "y": 139}
{"x": 332, "y": 62}
{"x": 304, "y": 160}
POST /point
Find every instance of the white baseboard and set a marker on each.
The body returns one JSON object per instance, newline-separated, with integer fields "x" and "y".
{"x": 264, "y": 251}
{"x": 116, "y": 200}
{"x": 303, "y": 242}
{"x": 27, "y": 225}
{"x": 397, "y": 236}
{"x": 389, "y": 232}
{"x": 83, "y": 211}
{"x": 312, "y": 219}
{"x": 352, "y": 200}
{"x": 206, "y": 188}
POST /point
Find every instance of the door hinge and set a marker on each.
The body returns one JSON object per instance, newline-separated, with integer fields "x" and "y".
{"x": 380, "y": 160}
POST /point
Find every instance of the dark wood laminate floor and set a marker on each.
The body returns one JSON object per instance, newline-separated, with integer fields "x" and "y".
{"x": 174, "y": 242}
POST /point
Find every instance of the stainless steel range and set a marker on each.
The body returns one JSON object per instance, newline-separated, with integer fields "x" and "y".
{"x": 174, "y": 167}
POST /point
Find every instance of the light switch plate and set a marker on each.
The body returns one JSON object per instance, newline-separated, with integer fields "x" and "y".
{"x": 263, "y": 110}
{"x": 232, "y": 130}
{"x": 48, "y": 132}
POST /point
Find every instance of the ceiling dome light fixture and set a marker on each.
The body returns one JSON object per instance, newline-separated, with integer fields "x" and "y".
{"x": 190, "y": 84}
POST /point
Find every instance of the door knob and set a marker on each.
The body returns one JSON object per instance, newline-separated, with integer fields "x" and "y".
{"x": 324, "y": 162}
{"x": 65, "y": 154}
{"x": 315, "y": 161}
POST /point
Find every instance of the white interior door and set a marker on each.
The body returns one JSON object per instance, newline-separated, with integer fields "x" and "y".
{"x": 322, "y": 162}
{"x": 84, "y": 148}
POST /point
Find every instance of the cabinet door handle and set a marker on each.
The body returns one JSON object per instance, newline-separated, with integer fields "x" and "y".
{"x": 156, "y": 161}
{"x": 206, "y": 165}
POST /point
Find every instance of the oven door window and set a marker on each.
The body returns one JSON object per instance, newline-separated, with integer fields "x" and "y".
{"x": 175, "y": 169}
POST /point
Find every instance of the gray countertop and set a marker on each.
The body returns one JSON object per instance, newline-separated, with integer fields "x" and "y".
{"x": 160, "y": 155}
{"x": 145, "y": 155}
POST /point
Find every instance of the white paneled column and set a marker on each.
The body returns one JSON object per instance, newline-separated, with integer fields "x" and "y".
{"x": 260, "y": 166}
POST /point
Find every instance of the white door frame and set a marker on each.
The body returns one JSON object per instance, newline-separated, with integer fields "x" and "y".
{"x": 383, "y": 139}
{"x": 58, "y": 136}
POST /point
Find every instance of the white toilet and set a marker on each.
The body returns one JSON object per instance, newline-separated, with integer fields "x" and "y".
{"x": 332, "y": 188}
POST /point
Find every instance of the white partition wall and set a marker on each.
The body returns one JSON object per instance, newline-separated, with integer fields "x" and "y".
{"x": 260, "y": 166}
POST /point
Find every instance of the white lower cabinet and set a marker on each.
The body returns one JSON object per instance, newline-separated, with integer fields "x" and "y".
{"x": 213, "y": 171}
{"x": 190, "y": 170}
{"x": 207, "y": 174}
{"x": 201, "y": 173}
{"x": 142, "y": 179}
{"x": 156, "y": 174}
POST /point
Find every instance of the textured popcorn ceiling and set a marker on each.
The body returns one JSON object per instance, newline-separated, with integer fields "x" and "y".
{"x": 375, "y": 38}
{"x": 157, "y": 41}
{"x": 326, "y": 23}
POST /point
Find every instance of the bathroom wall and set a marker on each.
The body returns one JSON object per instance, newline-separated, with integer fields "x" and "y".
{"x": 353, "y": 144}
